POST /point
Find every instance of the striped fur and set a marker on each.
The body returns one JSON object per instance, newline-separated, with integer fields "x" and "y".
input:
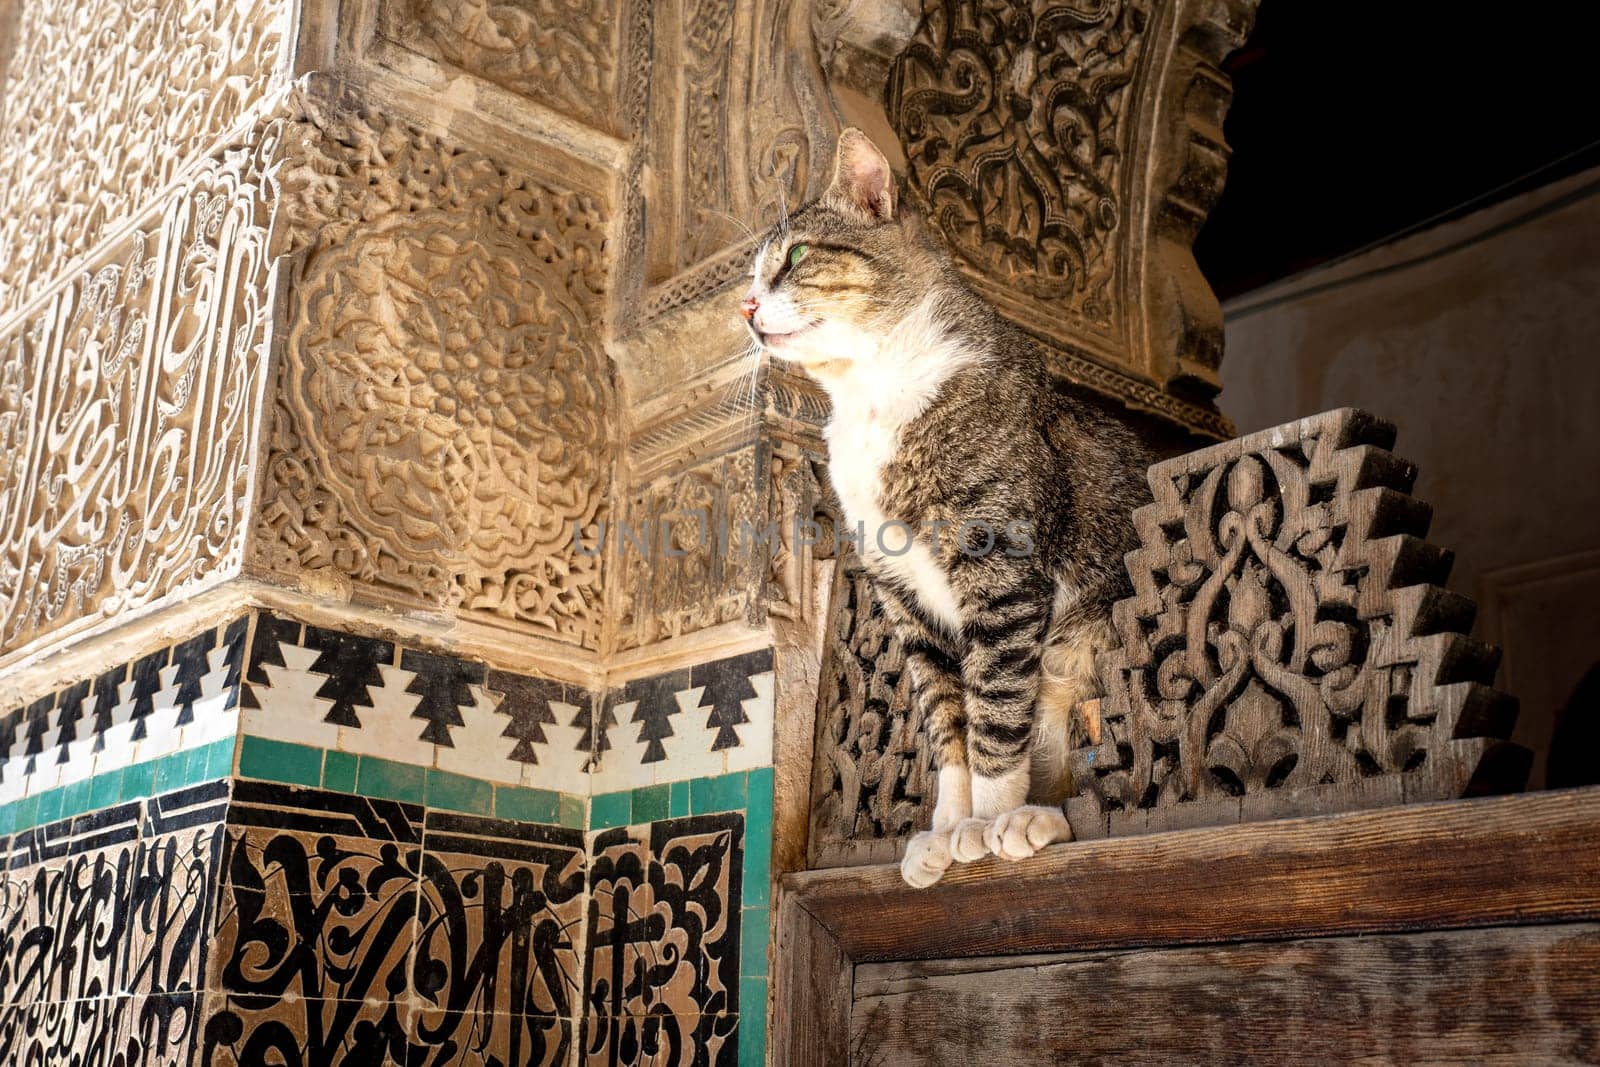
{"x": 943, "y": 413}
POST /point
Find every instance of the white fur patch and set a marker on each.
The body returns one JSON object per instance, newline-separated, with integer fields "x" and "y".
{"x": 994, "y": 796}
{"x": 885, "y": 382}
{"x": 953, "y": 801}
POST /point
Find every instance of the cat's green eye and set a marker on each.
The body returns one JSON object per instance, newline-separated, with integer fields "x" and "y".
{"x": 797, "y": 253}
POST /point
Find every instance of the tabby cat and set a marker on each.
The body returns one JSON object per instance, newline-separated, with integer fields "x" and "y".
{"x": 994, "y": 507}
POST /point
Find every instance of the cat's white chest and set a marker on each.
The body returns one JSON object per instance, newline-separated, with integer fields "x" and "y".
{"x": 861, "y": 444}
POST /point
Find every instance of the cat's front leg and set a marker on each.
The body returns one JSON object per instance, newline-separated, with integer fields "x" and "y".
{"x": 1007, "y": 613}
{"x": 935, "y": 668}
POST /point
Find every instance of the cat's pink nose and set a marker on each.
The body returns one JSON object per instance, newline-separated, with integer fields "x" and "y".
{"x": 748, "y": 307}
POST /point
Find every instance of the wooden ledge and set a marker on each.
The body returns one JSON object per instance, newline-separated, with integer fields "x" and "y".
{"x": 1517, "y": 860}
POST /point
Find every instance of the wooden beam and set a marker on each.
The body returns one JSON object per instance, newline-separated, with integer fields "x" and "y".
{"x": 1504, "y": 995}
{"x": 811, "y": 1017}
{"x": 1504, "y": 860}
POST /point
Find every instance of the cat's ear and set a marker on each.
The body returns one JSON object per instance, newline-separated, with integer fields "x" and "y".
{"x": 862, "y": 181}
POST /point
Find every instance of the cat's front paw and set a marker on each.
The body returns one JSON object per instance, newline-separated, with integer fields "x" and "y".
{"x": 927, "y": 858}
{"x": 1018, "y": 834}
{"x": 967, "y": 840}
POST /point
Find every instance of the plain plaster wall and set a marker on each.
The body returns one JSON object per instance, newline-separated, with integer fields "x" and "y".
{"x": 1480, "y": 339}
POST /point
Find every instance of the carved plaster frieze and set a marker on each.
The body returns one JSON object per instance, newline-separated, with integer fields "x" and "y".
{"x": 129, "y": 401}
{"x": 715, "y": 528}
{"x": 105, "y": 102}
{"x": 562, "y": 53}
{"x": 740, "y": 126}
{"x": 443, "y": 416}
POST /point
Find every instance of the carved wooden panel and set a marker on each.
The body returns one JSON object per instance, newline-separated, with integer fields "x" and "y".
{"x": 1018, "y": 135}
{"x": 443, "y": 403}
{"x": 1068, "y": 155}
{"x": 872, "y": 776}
{"x": 1289, "y": 650}
{"x": 1289, "y": 647}
{"x": 105, "y": 100}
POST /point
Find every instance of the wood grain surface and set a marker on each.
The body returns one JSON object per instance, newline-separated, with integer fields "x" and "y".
{"x": 1502, "y": 996}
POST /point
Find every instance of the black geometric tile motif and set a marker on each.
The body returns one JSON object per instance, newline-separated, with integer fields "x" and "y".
{"x": 271, "y": 631}
{"x": 727, "y": 686}
{"x": 10, "y": 724}
{"x": 656, "y": 703}
{"x": 351, "y": 663}
{"x": 31, "y": 742}
{"x": 192, "y": 660}
{"x": 442, "y": 682}
{"x": 233, "y": 658}
{"x": 595, "y": 719}
{"x": 527, "y": 701}
{"x": 70, "y": 711}
{"x": 146, "y": 684}
{"x": 36, "y": 717}
{"x": 107, "y": 695}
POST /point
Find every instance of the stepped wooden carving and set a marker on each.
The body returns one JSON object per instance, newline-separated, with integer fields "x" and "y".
{"x": 1289, "y": 650}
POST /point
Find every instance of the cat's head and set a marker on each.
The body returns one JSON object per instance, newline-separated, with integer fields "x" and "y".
{"x": 845, "y": 269}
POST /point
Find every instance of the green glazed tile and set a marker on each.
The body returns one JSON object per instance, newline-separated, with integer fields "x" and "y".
{"x": 75, "y": 800}
{"x": 23, "y": 811}
{"x": 574, "y": 811}
{"x": 610, "y": 809}
{"x": 527, "y": 805}
{"x": 388, "y": 780}
{"x": 760, "y": 789}
{"x": 651, "y": 803}
{"x": 105, "y": 789}
{"x": 752, "y": 1022}
{"x": 49, "y": 808}
{"x": 339, "y": 772}
{"x": 680, "y": 800}
{"x": 757, "y": 886}
{"x": 280, "y": 761}
{"x": 219, "y": 763}
{"x": 753, "y": 942}
{"x": 457, "y": 792}
{"x": 172, "y": 771}
{"x": 8, "y": 818}
{"x": 723, "y": 793}
{"x": 138, "y": 780}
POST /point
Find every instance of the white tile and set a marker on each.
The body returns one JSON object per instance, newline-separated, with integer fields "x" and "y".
{"x": 622, "y": 766}
{"x": 755, "y": 737}
{"x": 45, "y": 777}
{"x": 80, "y": 760}
{"x": 561, "y": 760}
{"x": 118, "y": 747}
{"x": 387, "y": 729}
{"x": 14, "y": 786}
{"x": 689, "y": 752}
{"x": 213, "y": 721}
{"x": 479, "y": 750}
{"x": 162, "y": 733}
{"x": 290, "y": 708}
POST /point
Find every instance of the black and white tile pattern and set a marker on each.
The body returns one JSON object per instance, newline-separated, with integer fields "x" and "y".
{"x": 271, "y": 676}
{"x": 173, "y": 698}
{"x": 692, "y": 722}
